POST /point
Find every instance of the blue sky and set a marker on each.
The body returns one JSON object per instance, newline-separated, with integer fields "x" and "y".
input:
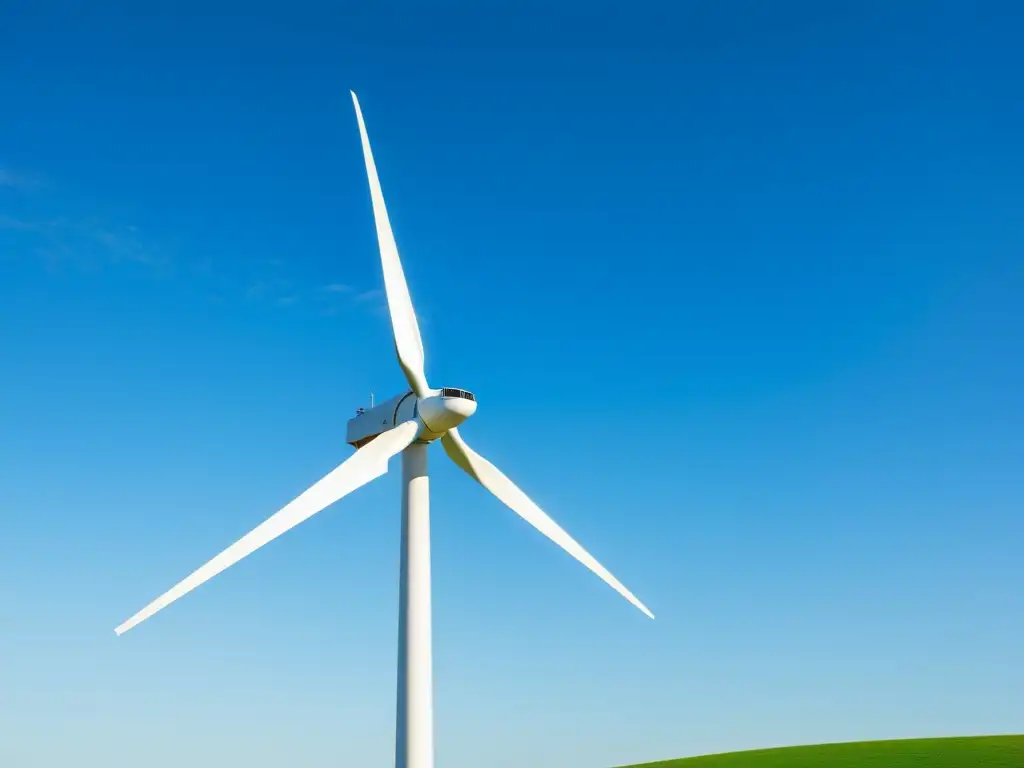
{"x": 737, "y": 286}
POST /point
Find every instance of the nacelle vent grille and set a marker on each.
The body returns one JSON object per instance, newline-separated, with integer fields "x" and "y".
{"x": 449, "y": 392}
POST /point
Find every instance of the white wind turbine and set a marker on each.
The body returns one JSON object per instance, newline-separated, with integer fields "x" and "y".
{"x": 406, "y": 424}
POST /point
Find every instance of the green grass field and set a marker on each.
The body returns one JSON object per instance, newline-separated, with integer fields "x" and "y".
{"x": 968, "y": 752}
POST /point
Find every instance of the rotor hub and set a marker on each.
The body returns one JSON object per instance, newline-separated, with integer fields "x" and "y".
{"x": 446, "y": 408}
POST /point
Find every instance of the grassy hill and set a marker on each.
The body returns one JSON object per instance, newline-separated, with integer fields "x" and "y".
{"x": 968, "y": 752}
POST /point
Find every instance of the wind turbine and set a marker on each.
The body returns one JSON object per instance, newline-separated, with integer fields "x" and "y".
{"x": 406, "y": 424}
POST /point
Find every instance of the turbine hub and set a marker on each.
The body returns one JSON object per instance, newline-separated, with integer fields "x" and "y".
{"x": 446, "y": 408}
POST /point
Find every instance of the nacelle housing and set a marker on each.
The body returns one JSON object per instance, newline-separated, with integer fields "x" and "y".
{"x": 374, "y": 421}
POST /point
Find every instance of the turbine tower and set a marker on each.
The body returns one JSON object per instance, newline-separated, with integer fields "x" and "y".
{"x": 406, "y": 424}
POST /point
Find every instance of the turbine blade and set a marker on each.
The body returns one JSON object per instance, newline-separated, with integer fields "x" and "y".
{"x": 368, "y": 463}
{"x": 491, "y": 478}
{"x": 408, "y": 343}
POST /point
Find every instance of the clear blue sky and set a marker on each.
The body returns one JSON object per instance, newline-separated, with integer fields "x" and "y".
{"x": 738, "y": 286}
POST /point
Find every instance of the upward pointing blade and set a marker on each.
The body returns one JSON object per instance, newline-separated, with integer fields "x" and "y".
{"x": 491, "y": 478}
{"x": 408, "y": 343}
{"x": 368, "y": 463}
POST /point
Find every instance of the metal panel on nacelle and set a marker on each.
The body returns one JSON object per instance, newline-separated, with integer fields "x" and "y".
{"x": 381, "y": 418}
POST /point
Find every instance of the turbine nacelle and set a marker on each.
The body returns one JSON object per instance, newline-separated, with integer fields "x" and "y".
{"x": 438, "y": 411}
{"x": 444, "y": 409}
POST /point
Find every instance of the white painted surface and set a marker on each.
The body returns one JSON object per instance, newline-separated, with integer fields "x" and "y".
{"x": 414, "y": 732}
{"x": 408, "y": 343}
{"x": 439, "y": 414}
{"x": 491, "y": 478}
{"x": 381, "y": 417}
{"x": 366, "y": 464}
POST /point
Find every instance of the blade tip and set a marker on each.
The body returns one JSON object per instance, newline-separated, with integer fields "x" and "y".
{"x": 121, "y": 629}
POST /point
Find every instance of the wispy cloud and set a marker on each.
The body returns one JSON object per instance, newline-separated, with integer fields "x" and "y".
{"x": 13, "y": 180}
{"x": 77, "y": 241}
{"x": 72, "y": 240}
{"x": 271, "y": 288}
{"x": 375, "y": 300}
{"x": 372, "y": 295}
{"x": 337, "y": 288}
{"x": 82, "y": 243}
{"x": 10, "y": 222}
{"x": 126, "y": 244}
{"x": 328, "y": 299}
